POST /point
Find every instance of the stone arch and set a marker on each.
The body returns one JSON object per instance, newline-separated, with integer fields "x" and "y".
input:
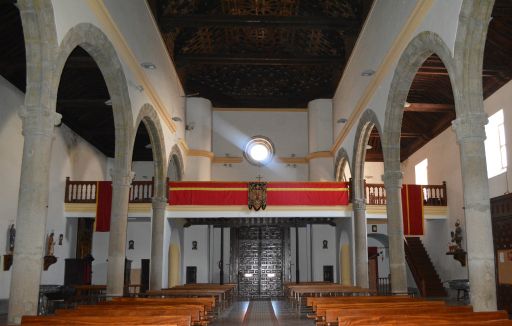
{"x": 176, "y": 162}
{"x": 149, "y": 117}
{"x": 99, "y": 47}
{"x": 419, "y": 49}
{"x": 40, "y": 47}
{"x": 367, "y": 122}
{"x": 474, "y": 21}
{"x": 342, "y": 160}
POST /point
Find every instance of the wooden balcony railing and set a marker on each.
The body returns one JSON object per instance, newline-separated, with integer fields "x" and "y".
{"x": 433, "y": 195}
{"x": 85, "y": 191}
{"x": 143, "y": 192}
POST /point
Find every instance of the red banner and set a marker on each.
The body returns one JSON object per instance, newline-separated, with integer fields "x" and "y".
{"x": 208, "y": 193}
{"x": 307, "y": 193}
{"x": 103, "y": 205}
{"x": 412, "y": 209}
{"x": 278, "y": 193}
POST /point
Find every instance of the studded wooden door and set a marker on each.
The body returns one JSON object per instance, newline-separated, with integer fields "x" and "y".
{"x": 260, "y": 252}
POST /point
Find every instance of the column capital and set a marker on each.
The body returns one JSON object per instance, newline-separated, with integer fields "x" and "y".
{"x": 358, "y": 204}
{"x": 470, "y": 126}
{"x": 392, "y": 179}
{"x": 159, "y": 202}
{"x": 38, "y": 120}
{"x": 121, "y": 178}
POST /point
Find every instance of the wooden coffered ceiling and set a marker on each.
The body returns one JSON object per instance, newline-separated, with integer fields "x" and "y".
{"x": 430, "y": 97}
{"x": 260, "y": 54}
{"x": 241, "y": 53}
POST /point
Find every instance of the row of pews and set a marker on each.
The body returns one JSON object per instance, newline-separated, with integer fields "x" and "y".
{"x": 193, "y": 304}
{"x": 396, "y": 310}
{"x": 296, "y": 292}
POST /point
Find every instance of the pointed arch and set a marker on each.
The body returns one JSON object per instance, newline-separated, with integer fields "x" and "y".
{"x": 367, "y": 122}
{"x": 99, "y": 47}
{"x": 175, "y": 168}
{"x": 419, "y": 49}
{"x": 340, "y": 163}
{"x": 149, "y": 117}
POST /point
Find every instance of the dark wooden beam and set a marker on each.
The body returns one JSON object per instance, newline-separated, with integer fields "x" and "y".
{"x": 184, "y": 59}
{"x": 429, "y": 107}
{"x": 169, "y": 23}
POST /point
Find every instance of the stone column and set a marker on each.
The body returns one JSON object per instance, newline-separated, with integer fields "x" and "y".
{"x": 29, "y": 249}
{"x": 157, "y": 242}
{"x": 121, "y": 181}
{"x": 361, "y": 242}
{"x": 397, "y": 267}
{"x": 470, "y": 136}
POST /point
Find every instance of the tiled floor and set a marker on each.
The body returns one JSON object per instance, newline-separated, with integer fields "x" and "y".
{"x": 261, "y": 313}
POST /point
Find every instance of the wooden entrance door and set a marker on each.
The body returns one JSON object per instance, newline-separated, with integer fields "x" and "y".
{"x": 373, "y": 268}
{"x": 260, "y": 261}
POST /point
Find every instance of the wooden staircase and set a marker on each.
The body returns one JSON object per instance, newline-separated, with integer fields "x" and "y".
{"x": 423, "y": 271}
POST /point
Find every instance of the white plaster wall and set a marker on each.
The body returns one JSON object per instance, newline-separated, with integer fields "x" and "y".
{"x": 215, "y": 252}
{"x": 71, "y": 156}
{"x": 11, "y": 147}
{"x": 304, "y": 258}
{"x": 199, "y": 119}
{"x": 199, "y": 257}
{"x": 144, "y": 170}
{"x": 373, "y": 172}
{"x": 138, "y": 230}
{"x": 199, "y": 168}
{"x": 502, "y": 99}
{"x": 287, "y": 130}
{"x": 443, "y": 165}
{"x": 100, "y": 254}
{"x": 321, "y": 256}
{"x": 321, "y": 169}
{"x": 320, "y": 125}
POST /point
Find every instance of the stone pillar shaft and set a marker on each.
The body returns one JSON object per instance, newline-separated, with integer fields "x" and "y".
{"x": 32, "y": 212}
{"x": 361, "y": 242}
{"x": 470, "y": 136}
{"x": 157, "y": 242}
{"x": 397, "y": 267}
{"x": 121, "y": 181}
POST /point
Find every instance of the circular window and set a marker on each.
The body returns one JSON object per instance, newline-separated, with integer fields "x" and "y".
{"x": 259, "y": 151}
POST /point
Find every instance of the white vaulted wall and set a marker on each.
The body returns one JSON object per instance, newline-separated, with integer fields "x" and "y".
{"x": 71, "y": 156}
{"x": 287, "y": 130}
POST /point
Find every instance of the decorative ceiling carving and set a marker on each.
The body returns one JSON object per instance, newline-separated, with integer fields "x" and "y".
{"x": 263, "y": 54}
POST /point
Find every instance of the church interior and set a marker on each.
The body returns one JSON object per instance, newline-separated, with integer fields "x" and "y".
{"x": 255, "y": 162}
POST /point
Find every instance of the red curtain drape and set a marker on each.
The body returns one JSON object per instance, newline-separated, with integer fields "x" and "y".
{"x": 412, "y": 209}
{"x": 278, "y": 193}
{"x": 103, "y": 205}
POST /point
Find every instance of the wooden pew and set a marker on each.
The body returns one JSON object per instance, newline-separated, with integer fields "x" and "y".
{"x": 122, "y": 310}
{"x": 321, "y": 309}
{"x": 425, "y": 319}
{"x": 218, "y": 294}
{"x": 331, "y": 315}
{"x": 207, "y": 302}
{"x": 105, "y": 320}
{"x": 313, "y": 301}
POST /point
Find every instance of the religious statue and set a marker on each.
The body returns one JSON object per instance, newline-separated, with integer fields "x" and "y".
{"x": 12, "y": 237}
{"x": 50, "y": 244}
{"x": 457, "y": 236}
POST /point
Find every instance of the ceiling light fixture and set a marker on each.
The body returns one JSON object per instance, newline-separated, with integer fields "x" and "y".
{"x": 148, "y": 146}
{"x": 177, "y": 119}
{"x": 108, "y": 102}
{"x": 368, "y": 147}
{"x": 407, "y": 104}
{"x": 342, "y": 120}
{"x": 368, "y": 72}
{"x": 148, "y": 65}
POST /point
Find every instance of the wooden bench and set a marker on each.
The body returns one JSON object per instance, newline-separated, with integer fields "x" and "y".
{"x": 105, "y": 320}
{"x": 115, "y": 310}
{"x": 426, "y": 319}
